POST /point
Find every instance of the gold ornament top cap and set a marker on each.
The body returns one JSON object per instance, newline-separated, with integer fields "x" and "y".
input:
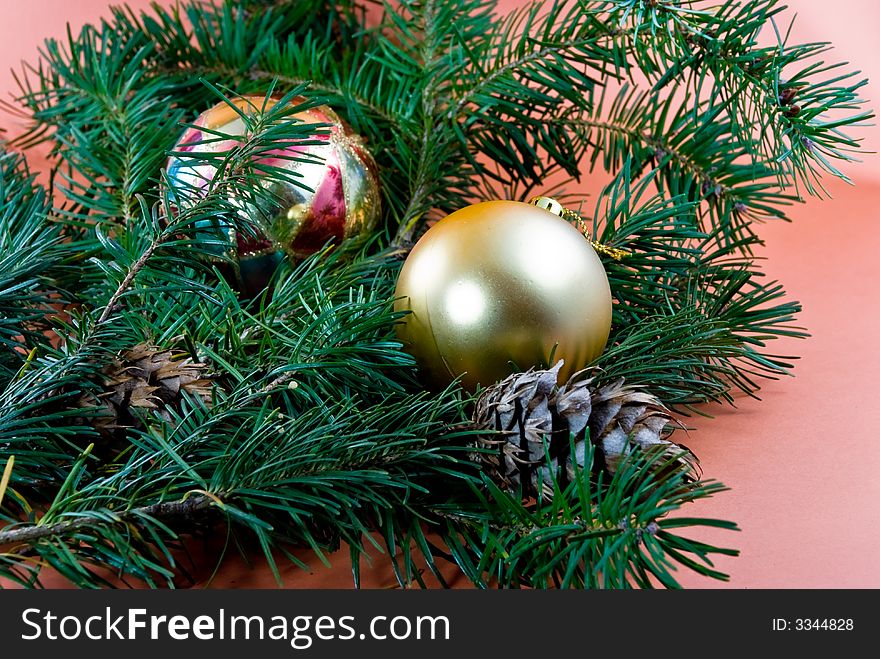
{"x": 550, "y": 204}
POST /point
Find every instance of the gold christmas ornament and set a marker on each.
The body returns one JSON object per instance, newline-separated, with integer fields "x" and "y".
{"x": 498, "y": 287}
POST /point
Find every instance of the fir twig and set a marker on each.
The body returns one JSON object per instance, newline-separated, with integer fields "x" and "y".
{"x": 163, "y": 510}
{"x": 318, "y": 430}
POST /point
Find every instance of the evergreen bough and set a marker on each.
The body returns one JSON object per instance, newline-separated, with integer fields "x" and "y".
{"x": 317, "y": 430}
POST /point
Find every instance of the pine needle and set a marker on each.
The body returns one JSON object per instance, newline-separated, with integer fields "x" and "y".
{"x": 7, "y": 474}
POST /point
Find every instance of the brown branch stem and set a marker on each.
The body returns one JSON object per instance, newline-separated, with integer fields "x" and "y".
{"x": 31, "y": 534}
{"x": 129, "y": 277}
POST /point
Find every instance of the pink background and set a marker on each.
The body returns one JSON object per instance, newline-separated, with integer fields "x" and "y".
{"x": 803, "y": 463}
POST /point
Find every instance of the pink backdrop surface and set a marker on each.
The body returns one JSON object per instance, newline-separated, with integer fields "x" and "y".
{"x": 804, "y": 462}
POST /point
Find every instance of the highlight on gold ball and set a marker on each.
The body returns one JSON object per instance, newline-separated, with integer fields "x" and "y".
{"x": 502, "y": 286}
{"x": 550, "y": 204}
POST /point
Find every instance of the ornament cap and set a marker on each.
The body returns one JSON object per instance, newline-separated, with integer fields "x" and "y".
{"x": 548, "y": 204}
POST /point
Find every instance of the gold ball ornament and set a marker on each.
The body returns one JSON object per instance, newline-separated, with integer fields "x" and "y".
{"x": 501, "y": 286}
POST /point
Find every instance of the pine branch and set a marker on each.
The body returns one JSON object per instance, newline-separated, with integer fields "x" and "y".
{"x": 699, "y": 159}
{"x": 310, "y": 474}
{"x": 713, "y": 50}
{"x": 241, "y": 80}
{"x": 539, "y": 63}
{"x": 429, "y": 38}
{"x": 592, "y": 534}
{"x": 276, "y": 43}
{"x": 692, "y": 318}
{"x": 31, "y": 254}
{"x": 317, "y": 429}
{"x": 109, "y": 122}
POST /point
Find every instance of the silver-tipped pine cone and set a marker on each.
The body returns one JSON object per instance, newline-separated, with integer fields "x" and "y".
{"x": 531, "y": 408}
{"x": 146, "y": 378}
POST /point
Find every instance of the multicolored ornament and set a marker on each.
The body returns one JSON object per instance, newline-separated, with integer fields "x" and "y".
{"x": 338, "y": 196}
{"x": 502, "y": 286}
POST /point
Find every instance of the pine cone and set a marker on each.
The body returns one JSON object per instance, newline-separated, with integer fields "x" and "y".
{"x": 529, "y": 409}
{"x": 146, "y": 378}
